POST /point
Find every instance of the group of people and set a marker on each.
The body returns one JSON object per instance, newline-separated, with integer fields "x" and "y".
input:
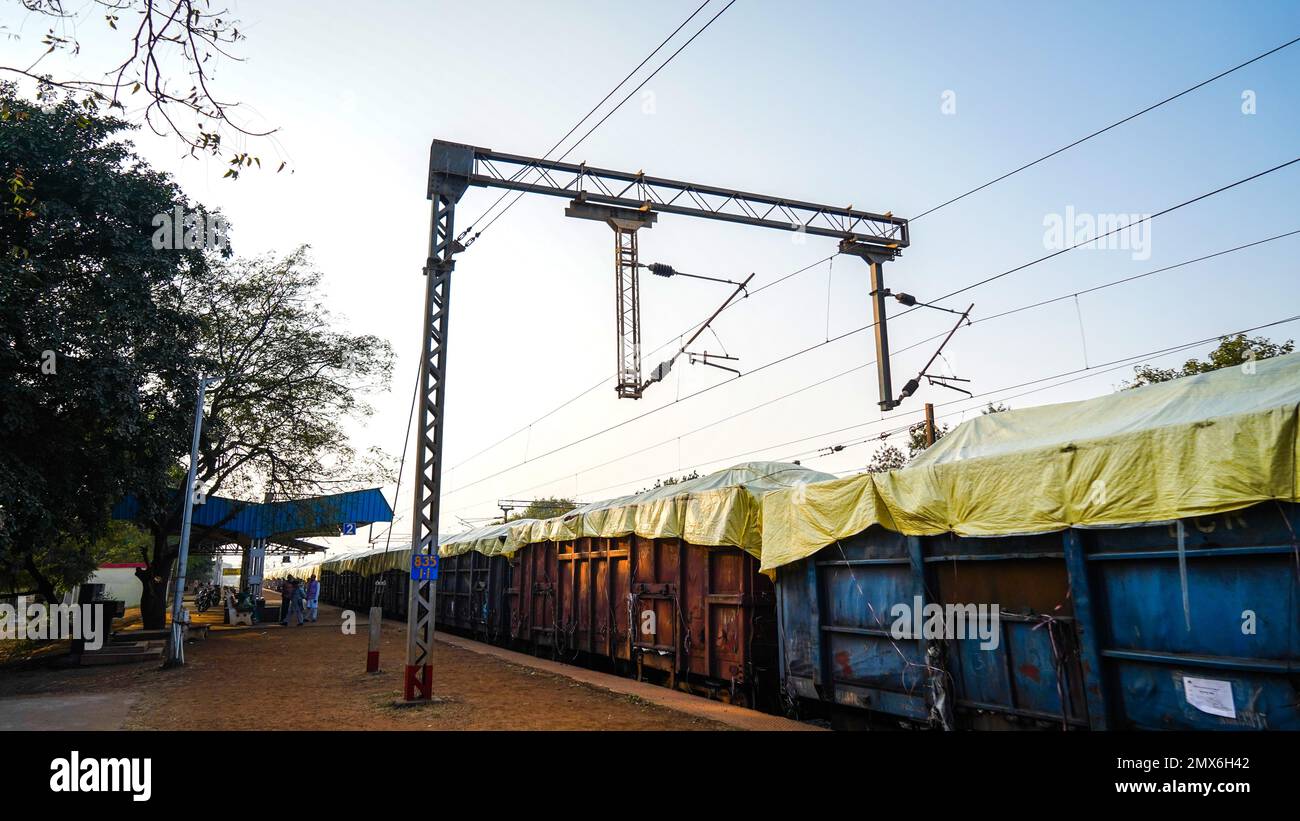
{"x": 300, "y": 599}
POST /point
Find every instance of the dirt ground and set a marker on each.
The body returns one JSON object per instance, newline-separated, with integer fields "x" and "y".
{"x": 313, "y": 677}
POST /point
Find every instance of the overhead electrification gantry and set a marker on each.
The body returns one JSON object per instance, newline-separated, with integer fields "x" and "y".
{"x": 627, "y": 202}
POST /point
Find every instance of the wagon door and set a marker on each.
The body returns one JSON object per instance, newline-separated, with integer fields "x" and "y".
{"x": 605, "y": 563}
{"x": 543, "y": 601}
{"x": 620, "y": 604}
{"x": 498, "y": 598}
{"x": 516, "y": 601}
{"x": 656, "y": 584}
{"x": 721, "y": 603}
{"x": 567, "y": 590}
{"x": 477, "y": 612}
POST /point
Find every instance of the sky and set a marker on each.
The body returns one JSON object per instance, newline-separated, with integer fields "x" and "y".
{"x": 880, "y": 106}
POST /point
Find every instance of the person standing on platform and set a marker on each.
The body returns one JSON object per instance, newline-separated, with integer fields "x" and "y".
{"x": 313, "y": 598}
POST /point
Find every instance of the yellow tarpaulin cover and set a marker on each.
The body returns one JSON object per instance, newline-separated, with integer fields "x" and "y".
{"x": 490, "y": 540}
{"x": 1193, "y": 446}
{"x": 302, "y": 568}
{"x": 722, "y": 509}
{"x": 369, "y": 561}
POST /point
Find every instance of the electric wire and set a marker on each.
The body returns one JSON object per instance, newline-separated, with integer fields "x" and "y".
{"x": 1078, "y": 374}
{"x": 858, "y": 367}
{"x": 922, "y": 214}
{"x": 846, "y": 334}
{"x": 1101, "y": 131}
{"x": 611, "y": 112}
{"x": 587, "y": 116}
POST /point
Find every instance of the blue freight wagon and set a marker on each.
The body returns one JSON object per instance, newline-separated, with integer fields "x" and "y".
{"x": 1092, "y": 631}
{"x": 1125, "y": 562}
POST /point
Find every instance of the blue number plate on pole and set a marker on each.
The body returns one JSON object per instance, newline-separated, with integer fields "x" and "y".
{"x": 424, "y": 568}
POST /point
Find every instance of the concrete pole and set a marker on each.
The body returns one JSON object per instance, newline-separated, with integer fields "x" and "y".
{"x": 376, "y": 626}
{"x": 177, "y": 655}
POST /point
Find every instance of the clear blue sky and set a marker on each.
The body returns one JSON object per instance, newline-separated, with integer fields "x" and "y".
{"x": 834, "y": 102}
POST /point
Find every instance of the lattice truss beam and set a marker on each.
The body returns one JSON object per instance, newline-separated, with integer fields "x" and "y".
{"x": 638, "y": 190}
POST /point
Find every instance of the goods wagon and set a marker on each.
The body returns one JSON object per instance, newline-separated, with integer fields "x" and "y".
{"x": 1226, "y": 656}
{"x": 471, "y": 597}
{"x": 1159, "y": 588}
{"x": 839, "y": 644}
{"x": 390, "y": 592}
{"x": 1093, "y": 631}
{"x": 692, "y": 617}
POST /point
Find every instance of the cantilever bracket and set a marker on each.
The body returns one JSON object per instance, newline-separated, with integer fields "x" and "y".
{"x": 627, "y": 285}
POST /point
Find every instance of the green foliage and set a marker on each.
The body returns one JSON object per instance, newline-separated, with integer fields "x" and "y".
{"x": 96, "y": 339}
{"x": 672, "y": 480}
{"x": 547, "y": 508}
{"x": 122, "y": 543}
{"x": 886, "y": 458}
{"x": 1232, "y": 350}
{"x": 104, "y": 338}
{"x": 68, "y": 561}
{"x": 290, "y": 380}
{"x": 200, "y": 567}
{"x": 916, "y": 437}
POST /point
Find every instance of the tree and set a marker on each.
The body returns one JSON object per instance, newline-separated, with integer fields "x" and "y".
{"x": 170, "y": 57}
{"x": 671, "y": 480}
{"x": 94, "y": 338}
{"x": 1232, "y": 350}
{"x": 916, "y": 438}
{"x": 274, "y": 425}
{"x": 998, "y": 408}
{"x": 102, "y": 340}
{"x": 547, "y": 508}
{"x": 887, "y": 458}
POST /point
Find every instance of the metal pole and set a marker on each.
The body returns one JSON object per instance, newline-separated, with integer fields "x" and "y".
{"x": 177, "y": 655}
{"x": 449, "y": 169}
{"x": 876, "y": 257}
{"x": 878, "y": 294}
{"x": 420, "y": 625}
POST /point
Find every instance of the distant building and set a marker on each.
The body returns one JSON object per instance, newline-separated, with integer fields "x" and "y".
{"x": 120, "y": 582}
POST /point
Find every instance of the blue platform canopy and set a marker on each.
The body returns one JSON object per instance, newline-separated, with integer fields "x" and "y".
{"x": 286, "y": 523}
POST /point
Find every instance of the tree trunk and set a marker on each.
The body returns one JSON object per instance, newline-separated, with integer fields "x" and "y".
{"x": 153, "y": 580}
{"x": 43, "y": 585}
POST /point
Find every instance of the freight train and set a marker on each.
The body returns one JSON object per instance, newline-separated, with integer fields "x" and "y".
{"x": 1128, "y": 562}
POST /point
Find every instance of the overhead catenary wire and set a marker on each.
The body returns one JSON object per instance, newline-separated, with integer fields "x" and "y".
{"x": 861, "y": 366}
{"x": 1101, "y": 131}
{"x": 611, "y": 112}
{"x": 815, "y": 346}
{"x": 831, "y": 257}
{"x": 406, "y": 441}
{"x": 1111, "y": 232}
{"x": 587, "y": 116}
{"x": 1078, "y": 374}
{"x": 1088, "y": 372}
{"x": 677, "y": 338}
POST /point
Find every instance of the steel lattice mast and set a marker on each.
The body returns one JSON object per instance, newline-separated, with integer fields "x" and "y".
{"x": 626, "y": 201}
